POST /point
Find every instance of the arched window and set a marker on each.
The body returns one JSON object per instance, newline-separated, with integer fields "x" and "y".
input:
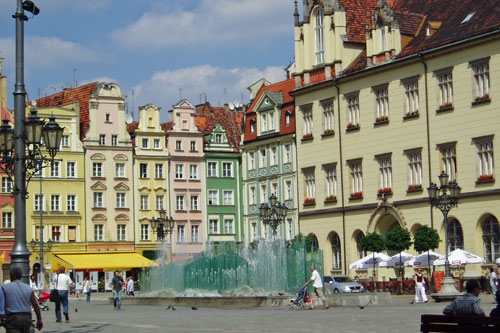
{"x": 455, "y": 236}
{"x": 336, "y": 252}
{"x": 318, "y": 29}
{"x": 361, "y": 253}
{"x": 491, "y": 233}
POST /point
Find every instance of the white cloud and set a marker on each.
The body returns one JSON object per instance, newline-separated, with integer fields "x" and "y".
{"x": 57, "y": 5}
{"x": 218, "y": 84}
{"x": 217, "y": 22}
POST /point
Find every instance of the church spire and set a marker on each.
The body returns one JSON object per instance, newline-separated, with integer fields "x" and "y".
{"x": 296, "y": 14}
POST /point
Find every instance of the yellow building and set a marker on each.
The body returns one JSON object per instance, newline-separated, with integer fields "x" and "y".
{"x": 407, "y": 91}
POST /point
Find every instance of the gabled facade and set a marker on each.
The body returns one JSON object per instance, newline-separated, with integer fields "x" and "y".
{"x": 268, "y": 159}
{"x": 186, "y": 182}
{"x": 404, "y": 90}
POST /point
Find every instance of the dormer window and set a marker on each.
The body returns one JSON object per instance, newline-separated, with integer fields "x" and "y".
{"x": 288, "y": 117}
{"x": 318, "y": 30}
{"x": 468, "y": 17}
{"x": 252, "y": 126}
{"x": 218, "y": 138}
{"x": 429, "y": 31}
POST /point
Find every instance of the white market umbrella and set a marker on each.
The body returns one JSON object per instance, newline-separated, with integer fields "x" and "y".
{"x": 423, "y": 259}
{"x": 460, "y": 257}
{"x": 369, "y": 261}
{"x": 395, "y": 261}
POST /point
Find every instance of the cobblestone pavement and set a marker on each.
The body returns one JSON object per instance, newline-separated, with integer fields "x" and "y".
{"x": 99, "y": 316}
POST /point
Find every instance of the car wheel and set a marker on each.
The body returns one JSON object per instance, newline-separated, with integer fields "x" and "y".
{"x": 336, "y": 291}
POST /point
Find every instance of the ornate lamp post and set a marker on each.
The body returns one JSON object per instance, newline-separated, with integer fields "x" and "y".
{"x": 273, "y": 214}
{"x": 163, "y": 226}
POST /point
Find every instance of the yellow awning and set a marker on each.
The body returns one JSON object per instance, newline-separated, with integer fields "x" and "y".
{"x": 102, "y": 261}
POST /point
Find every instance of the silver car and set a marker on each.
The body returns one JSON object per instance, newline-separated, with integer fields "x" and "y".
{"x": 342, "y": 284}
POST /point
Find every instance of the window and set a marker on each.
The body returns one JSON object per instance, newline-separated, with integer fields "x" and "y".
{"x": 181, "y": 235}
{"x": 158, "y": 170}
{"x": 98, "y": 200}
{"x": 275, "y": 189}
{"x": 119, "y": 170}
{"x": 361, "y": 253}
{"x": 145, "y": 143}
{"x": 289, "y": 222}
{"x": 159, "y": 202}
{"x": 455, "y": 236}
{"x": 179, "y": 171}
{"x": 195, "y": 233}
{"x": 318, "y": 32}
{"x": 193, "y": 171}
{"x": 228, "y": 226}
{"x": 143, "y": 170}
{"x": 56, "y": 233}
{"x": 253, "y": 197}
{"x": 55, "y": 169}
{"x": 6, "y": 185}
{"x": 415, "y": 170}
{"x": 70, "y": 169}
{"x": 482, "y": 80}
{"x": 71, "y": 234}
{"x": 194, "y": 202}
{"x": 382, "y": 102}
{"x": 179, "y": 203}
{"x": 288, "y": 153}
{"x": 412, "y": 99}
{"x": 264, "y": 122}
{"x": 108, "y": 117}
{"x": 336, "y": 252}
{"x": 218, "y": 138}
{"x": 120, "y": 200}
{"x": 254, "y": 231}
{"x": 331, "y": 182}
{"x": 227, "y": 169}
{"x": 98, "y": 232}
{"x": 213, "y": 197}
{"x": 144, "y": 232}
{"x": 178, "y": 145}
{"x": 307, "y": 115}
{"x": 144, "y": 201}
{"x": 356, "y": 179}
{"x": 445, "y": 84}
{"x": 328, "y": 117}
{"x": 65, "y": 141}
{"x": 39, "y": 202}
{"x": 228, "y": 198}
{"x": 212, "y": 169}
{"x": 485, "y": 159}
{"x": 121, "y": 232}
{"x": 214, "y": 226}
{"x": 491, "y": 238}
{"x": 385, "y": 174}
{"x": 353, "y": 111}
{"x": 252, "y": 126}
{"x": 271, "y": 120}
{"x": 263, "y": 158}
{"x": 192, "y": 145}
{"x": 114, "y": 140}
{"x": 55, "y": 202}
{"x": 274, "y": 156}
{"x": 156, "y": 144}
{"x": 97, "y": 169}
{"x": 310, "y": 184}
{"x": 263, "y": 193}
{"x": 7, "y": 220}
{"x": 449, "y": 161}
{"x": 102, "y": 139}
{"x": 289, "y": 190}
{"x": 71, "y": 203}
{"x": 288, "y": 117}
{"x": 251, "y": 158}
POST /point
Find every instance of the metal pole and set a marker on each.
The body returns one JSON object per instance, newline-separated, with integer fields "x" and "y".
{"x": 42, "y": 269}
{"x": 20, "y": 254}
{"x": 447, "y": 272}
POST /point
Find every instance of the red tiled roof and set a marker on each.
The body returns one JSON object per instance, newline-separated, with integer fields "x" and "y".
{"x": 357, "y": 12}
{"x": 409, "y": 23}
{"x": 283, "y": 86}
{"x": 167, "y": 126}
{"x": 131, "y": 130}
{"x": 80, "y": 94}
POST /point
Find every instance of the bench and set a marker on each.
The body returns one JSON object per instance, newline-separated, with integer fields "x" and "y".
{"x": 444, "y": 323}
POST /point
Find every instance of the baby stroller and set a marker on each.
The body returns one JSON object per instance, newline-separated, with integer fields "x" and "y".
{"x": 42, "y": 299}
{"x": 302, "y": 298}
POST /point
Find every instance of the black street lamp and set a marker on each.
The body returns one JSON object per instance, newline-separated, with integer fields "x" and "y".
{"x": 444, "y": 198}
{"x": 273, "y": 214}
{"x": 163, "y": 226}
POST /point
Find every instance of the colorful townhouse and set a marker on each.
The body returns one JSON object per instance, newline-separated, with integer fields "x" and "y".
{"x": 224, "y": 210}
{"x": 389, "y": 94}
{"x": 150, "y": 177}
{"x": 268, "y": 159}
{"x": 187, "y": 181}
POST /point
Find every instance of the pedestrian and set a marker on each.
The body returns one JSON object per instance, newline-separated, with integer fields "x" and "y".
{"x": 420, "y": 286}
{"x": 493, "y": 281}
{"x": 318, "y": 288}
{"x": 117, "y": 286}
{"x": 33, "y": 283}
{"x": 130, "y": 286}
{"x": 87, "y": 288}
{"x": 468, "y": 304}
{"x": 18, "y": 299}
{"x": 63, "y": 283}
{"x": 496, "y": 311}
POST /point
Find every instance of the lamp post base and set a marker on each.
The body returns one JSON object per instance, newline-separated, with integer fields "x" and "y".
{"x": 448, "y": 291}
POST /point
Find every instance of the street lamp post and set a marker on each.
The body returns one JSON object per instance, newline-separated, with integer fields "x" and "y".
{"x": 163, "y": 226}
{"x": 273, "y": 214}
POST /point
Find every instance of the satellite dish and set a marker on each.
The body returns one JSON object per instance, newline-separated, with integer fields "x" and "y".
{"x": 128, "y": 119}
{"x": 237, "y": 104}
{"x": 231, "y": 106}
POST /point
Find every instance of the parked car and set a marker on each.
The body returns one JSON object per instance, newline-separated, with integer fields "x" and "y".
{"x": 342, "y": 284}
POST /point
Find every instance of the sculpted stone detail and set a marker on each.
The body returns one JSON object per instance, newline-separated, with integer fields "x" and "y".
{"x": 263, "y": 172}
{"x": 382, "y": 209}
{"x": 94, "y": 105}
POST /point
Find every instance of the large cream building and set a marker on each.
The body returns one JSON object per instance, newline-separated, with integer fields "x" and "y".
{"x": 409, "y": 88}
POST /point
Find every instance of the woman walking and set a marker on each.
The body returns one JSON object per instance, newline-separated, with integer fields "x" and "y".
{"x": 420, "y": 287}
{"x": 87, "y": 288}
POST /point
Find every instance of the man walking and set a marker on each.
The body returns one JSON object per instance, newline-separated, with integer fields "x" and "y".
{"x": 63, "y": 283}
{"x": 19, "y": 297}
{"x": 117, "y": 286}
{"x": 318, "y": 288}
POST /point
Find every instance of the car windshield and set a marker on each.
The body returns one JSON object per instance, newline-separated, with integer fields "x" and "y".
{"x": 342, "y": 279}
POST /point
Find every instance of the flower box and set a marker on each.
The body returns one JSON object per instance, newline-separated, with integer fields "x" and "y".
{"x": 483, "y": 98}
{"x": 307, "y": 137}
{"x": 484, "y": 178}
{"x": 380, "y": 119}
{"x": 328, "y": 132}
{"x": 414, "y": 187}
{"x": 330, "y": 198}
{"x": 309, "y": 201}
{"x": 351, "y": 125}
{"x": 385, "y": 190}
{"x": 356, "y": 195}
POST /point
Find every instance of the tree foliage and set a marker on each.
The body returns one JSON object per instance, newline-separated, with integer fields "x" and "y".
{"x": 425, "y": 239}
{"x": 398, "y": 239}
{"x": 372, "y": 243}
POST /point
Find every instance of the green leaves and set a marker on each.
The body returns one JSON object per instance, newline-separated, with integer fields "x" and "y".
{"x": 372, "y": 243}
{"x": 426, "y": 239}
{"x": 398, "y": 239}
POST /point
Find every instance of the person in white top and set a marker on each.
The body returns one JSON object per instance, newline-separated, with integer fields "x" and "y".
{"x": 33, "y": 283}
{"x": 63, "y": 283}
{"x": 318, "y": 288}
{"x": 130, "y": 286}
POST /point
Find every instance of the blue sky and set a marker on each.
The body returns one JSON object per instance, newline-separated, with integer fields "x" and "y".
{"x": 156, "y": 50}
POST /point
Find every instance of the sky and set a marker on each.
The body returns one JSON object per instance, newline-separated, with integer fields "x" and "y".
{"x": 158, "y": 51}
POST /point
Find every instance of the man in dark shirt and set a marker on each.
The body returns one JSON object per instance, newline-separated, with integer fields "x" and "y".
{"x": 117, "y": 286}
{"x": 496, "y": 311}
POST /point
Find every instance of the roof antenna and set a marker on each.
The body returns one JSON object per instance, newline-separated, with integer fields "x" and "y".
{"x": 180, "y": 94}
